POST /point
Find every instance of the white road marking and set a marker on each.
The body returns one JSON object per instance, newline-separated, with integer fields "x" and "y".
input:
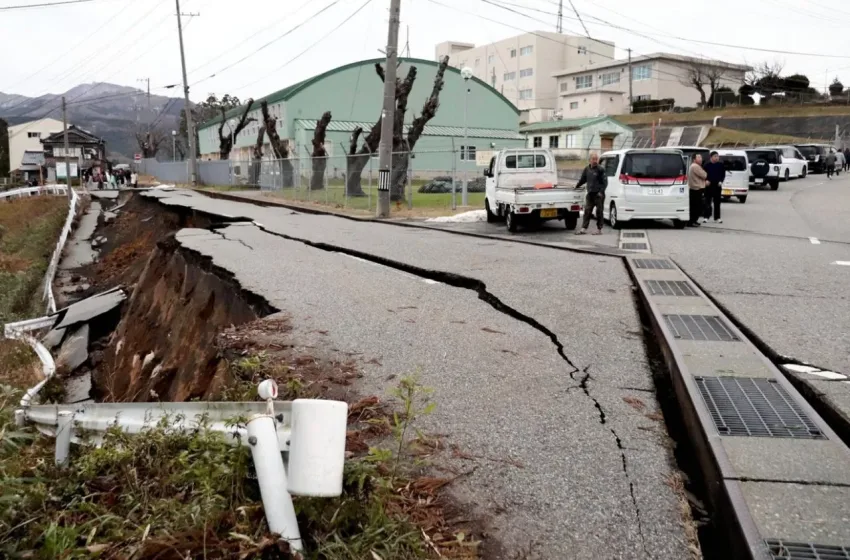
{"x": 842, "y": 263}
{"x": 814, "y": 240}
{"x": 800, "y": 369}
{"x": 828, "y": 374}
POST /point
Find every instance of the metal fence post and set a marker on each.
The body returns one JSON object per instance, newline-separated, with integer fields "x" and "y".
{"x": 64, "y": 431}
{"x": 371, "y": 166}
{"x": 410, "y": 180}
{"x": 454, "y": 175}
{"x": 268, "y": 462}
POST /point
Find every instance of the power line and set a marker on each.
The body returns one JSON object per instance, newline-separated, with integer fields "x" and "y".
{"x": 44, "y": 5}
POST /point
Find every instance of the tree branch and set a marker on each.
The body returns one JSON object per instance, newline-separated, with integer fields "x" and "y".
{"x": 279, "y": 147}
{"x": 429, "y": 109}
{"x": 355, "y": 136}
{"x": 319, "y": 135}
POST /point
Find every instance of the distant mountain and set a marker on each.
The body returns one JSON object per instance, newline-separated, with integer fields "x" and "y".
{"x": 110, "y": 111}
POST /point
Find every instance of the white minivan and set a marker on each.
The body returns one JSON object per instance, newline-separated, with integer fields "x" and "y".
{"x": 792, "y": 164}
{"x": 737, "y": 182}
{"x": 646, "y": 185}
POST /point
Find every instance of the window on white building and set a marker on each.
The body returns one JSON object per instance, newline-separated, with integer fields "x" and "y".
{"x": 565, "y": 86}
{"x": 33, "y": 135}
{"x": 642, "y": 72}
{"x": 526, "y": 72}
{"x": 582, "y": 50}
{"x": 570, "y": 140}
{"x": 610, "y": 78}
{"x": 467, "y": 153}
{"x": 553, "y": 141}
{"x": 526, "y": 50}
{"x": 573, "y": 105}
{"x": 509, "y": 76}
{"x": 513, "y": 53}
{"x": 537, "y": 142}
{"x": 584, "y": 82}
{"x": 526, "y": 93}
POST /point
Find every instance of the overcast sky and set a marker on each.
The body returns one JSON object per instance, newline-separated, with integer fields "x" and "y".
{"x": 50, "y": 50}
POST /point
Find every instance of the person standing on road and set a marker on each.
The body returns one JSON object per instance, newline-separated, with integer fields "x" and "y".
{"x": 597, "y": 181}
{"x": 830, "y": 164}
{"x": 846, "y": 159}
{"x": 696, "y": 188}
{"x": 715, "y": 175}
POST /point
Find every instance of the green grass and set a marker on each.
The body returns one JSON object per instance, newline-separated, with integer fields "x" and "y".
{"x": 752, "y": 111}
{"x": 725, "y": 137}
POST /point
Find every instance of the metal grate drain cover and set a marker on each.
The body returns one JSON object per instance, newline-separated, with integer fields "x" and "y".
{"x": 699, "y": 327}
{"x": 633, "y": 234}
{"x": 637, "y": 246}
{"x": 757, "y": 407}
{"x": 781, "y": 550}
{"x": 653, "y": 263}
{"x": 670, "y": 288}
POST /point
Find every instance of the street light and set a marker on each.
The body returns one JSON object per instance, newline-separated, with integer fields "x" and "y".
{"x": 466, "y": 74}
{"x": 173, "y": 145}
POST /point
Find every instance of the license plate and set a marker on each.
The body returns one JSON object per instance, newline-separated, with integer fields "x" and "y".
{"x": 759, "y": 180}
{"x": 549, "y": 213}
{"x": 727, "y": 192}
{"x": 654, "y": 191}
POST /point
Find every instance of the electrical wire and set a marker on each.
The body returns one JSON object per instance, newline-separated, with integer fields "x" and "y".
{"x": 44, "y": 5}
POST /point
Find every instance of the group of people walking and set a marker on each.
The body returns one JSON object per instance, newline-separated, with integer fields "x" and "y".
{"x": 705, "y": 186}
{"x": 109, "y": 180}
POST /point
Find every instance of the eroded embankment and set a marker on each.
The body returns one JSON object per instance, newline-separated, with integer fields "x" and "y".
{"x": 178, "y": 297}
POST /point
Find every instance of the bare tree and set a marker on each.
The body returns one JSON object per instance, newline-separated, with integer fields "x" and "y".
{"x": 280, "y": 148}
{"x": 320, "y": 154}
{"x": 150, "y": 141}
{"x": 766, "y": 78}
{"x": 225, "y": 142}
{"x": 700, "y": 75}
{"x": 357, "y": 159}
{"x": 257, "y": 160}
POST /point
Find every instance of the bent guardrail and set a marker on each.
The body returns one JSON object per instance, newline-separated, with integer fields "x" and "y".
{"x": 309, "y": 434}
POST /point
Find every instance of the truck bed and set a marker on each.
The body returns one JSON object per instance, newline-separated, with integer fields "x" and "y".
{"x": 556, "y": 197}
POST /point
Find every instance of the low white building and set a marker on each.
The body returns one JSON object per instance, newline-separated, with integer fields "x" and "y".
{"x": 521, "y": 67}
{"x": 576, "y": 138}
{"x": 26, "y": 137}
{"x": 603, "y": 88}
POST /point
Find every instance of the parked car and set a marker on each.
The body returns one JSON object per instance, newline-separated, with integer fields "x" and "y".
{"x": 792, "y": 164}
{"x": 690, "y": 151}
{"x": 737, "y": 182}
{"x": 522, "y": 187}
{"x": 646, "y": 185}
{"x": 764, "y": 167}
{"x": 814, "y": 155}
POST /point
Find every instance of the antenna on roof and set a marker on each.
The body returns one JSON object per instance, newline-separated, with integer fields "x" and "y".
{"x": 586, "y": 32}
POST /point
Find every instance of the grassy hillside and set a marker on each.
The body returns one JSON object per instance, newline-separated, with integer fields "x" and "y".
{"x": 726, "y": 137}
{"x": 639, "y": 119}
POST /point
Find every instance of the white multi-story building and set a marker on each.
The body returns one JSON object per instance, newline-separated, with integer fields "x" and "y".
{"x": 521, "y": 68}
{"x": 602, "y": 88}
{"x": 26, "y": 137}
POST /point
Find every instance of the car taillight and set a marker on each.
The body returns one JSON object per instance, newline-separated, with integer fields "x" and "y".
{"x": 625, "y": 179}
{"x": 681, "y": 180}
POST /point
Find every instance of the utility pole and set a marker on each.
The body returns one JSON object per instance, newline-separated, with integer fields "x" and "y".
{"x": 190, "y": 126}
{"x": 560, "y": 26}
{"x": 65, "y": 134}
{"x": 385, "y": 149}
{"x": 631, "y": 97}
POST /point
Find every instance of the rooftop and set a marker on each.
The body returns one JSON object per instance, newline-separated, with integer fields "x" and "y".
{"x": 649, "y": 57}
{"x": 430, "y": 130}
{"x": 568, "y": 124}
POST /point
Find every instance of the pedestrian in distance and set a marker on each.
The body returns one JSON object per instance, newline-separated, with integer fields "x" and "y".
{"x": 715, "y": 175}
{"x": 846, "y": 159}
{"x": 696, "y": 188}
{"x": 830, "y": 164}
{"x": 597, "y": 181}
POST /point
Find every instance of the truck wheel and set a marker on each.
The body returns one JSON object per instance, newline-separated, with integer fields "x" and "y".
{"x": 742, "y": 199}
{"x": 511, "y": 222}
{"x": 679, "y": 224}
{"x": 571, "y": 220}
{"x": 491, "y": 217}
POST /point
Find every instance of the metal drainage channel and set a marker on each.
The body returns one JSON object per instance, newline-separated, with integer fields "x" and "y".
{"x": 634, "y": 240}
{"x": 776, "y": 473}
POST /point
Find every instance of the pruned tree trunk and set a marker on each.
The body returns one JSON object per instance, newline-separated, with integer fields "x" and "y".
{"x": 320, "y": 154}
{"x": 402, "y": 147}
{"x": 257, "y": 159}
{"x": 280, "y": 148}
{"x": 225, "y": 142}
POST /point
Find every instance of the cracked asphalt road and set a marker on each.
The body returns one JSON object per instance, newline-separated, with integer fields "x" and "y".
{"x": 531, "y": 351}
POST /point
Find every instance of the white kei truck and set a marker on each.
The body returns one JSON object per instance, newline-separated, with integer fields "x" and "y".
{"x": 522, "y": 187}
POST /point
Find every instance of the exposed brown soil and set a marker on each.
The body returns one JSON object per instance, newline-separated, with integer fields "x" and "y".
{"x": 178, "y": 297}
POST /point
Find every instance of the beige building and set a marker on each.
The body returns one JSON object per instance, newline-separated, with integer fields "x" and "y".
{"x": 603, "y": 88}
{"x": 521, "y": 68}
{"x": 26, "y": 137}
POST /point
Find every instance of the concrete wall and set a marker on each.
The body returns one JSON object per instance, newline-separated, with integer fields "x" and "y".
{"x": 593, "y": 104}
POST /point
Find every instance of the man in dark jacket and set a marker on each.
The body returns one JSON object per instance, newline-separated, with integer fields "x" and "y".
{"x": 846, "y": 159}
{"x": 830, "y": 163}
{"x": 716, "y": 174}
{"x": 597, "y": 181}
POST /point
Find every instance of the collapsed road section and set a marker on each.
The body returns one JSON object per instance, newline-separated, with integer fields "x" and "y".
{"x": 547, "y": 424}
